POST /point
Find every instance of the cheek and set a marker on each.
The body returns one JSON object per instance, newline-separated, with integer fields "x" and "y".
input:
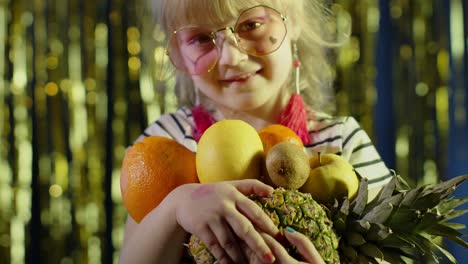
{"x": 207, "y": 84}
{"x": 204, "y": 81}
{"x": 281, "y": 65}
{"x": 280, "y": 61}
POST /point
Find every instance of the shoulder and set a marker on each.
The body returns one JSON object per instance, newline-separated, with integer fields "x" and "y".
{"x": 338, "y": 131}
{"x": 326, "y": 132}
{"x": 177, "y": 125}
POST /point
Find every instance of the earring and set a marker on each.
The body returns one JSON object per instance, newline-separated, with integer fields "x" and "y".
{"x": 294, "y": 115}
{"x": 201, "y": 117}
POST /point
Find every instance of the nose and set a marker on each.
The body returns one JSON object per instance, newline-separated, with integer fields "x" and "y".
{"x": 229, "y": 53}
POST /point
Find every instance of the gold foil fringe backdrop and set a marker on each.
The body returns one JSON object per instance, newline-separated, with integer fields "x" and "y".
{"x": 79, "y": 82}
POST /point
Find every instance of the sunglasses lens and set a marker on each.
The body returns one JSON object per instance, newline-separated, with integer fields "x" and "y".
{"x": 193, "y": 50}
{"x": 259, "y": 31}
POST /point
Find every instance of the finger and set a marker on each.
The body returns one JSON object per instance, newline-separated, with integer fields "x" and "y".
{"x": 228, "y": 241}
{"x": 304, "y": 246}
{"x": 258, "y": 217}
{"x": 209, "y": 239}
{"x": 250, "y": 254}
{"x": 253, "y": 187}
{"x": 246, "y": 231}
{"x": 279, "y": 251}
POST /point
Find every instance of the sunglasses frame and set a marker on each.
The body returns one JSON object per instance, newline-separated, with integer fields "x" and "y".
{"x": 236, "y": 38}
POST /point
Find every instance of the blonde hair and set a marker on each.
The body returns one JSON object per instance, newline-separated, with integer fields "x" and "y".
{"x": 313, "y": 42}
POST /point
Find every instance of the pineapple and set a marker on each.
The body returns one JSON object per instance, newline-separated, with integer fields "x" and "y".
{"x": 400, "y": 222}
{"x": 294, "y": 209}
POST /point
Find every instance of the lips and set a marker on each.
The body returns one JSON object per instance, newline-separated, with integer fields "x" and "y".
{"x": 241, "y": 77}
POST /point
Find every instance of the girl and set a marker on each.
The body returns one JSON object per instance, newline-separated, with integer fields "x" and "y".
{"x": 240, "y": 60}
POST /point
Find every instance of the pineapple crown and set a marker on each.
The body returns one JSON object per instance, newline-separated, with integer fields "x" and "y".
{"x": 400, "y": 222}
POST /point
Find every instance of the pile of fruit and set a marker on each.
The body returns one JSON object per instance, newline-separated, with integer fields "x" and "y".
{"x": 322, "y": 196}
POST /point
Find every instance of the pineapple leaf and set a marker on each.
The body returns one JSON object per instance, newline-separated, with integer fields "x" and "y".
{"x": 448, "y": 205}
{"x": 445, "y": 253}
{"x": 411, "y": 196}
{"x": 394, "y": 200}
{"x": 396, "y": 241}
{"x": 392, "y": 256}
{"x": 430, "y": 199}
{"x": 371, "y": 250}
{"x": 446, "y": 187}
{"x": 344, "y": 209}
{"x": 340, "y": 216}
{"x": 349, "y": 252}
{"x": 423, "y": 246}
{"x": 410, "y": 253}
{"x": 427, "y": 220}
{"x": 456, "y": 226}
{"x": 363, "y": 259}
{"x": 379, "y": 214}
{"x": 454, "y": 214}
{"x": 431, "y": 195}
{"x": 354, "y": 238}
{"x": 386, "y": 191}
{"x": 373, "y": 260}
{"x": 359, "y": 204}
{"x": 458, "y": 240}
{"x": 410, "y": 246}
{"x": 441, "y": 229}
{"x": 378, "y": 232}
{"x": 401, "y": 184}
{"x": 454, "y": 182}
{"x": 361, "y": 226}
{"x": 403, "y": 219}
{"x": 339, "y": 225}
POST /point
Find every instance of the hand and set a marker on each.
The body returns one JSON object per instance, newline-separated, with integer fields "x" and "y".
{"x": 300, "y": 241}
{"x": 220, "y": 215}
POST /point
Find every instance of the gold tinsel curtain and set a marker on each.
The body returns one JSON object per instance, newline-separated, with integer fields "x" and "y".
{"x": 78, "y": 83}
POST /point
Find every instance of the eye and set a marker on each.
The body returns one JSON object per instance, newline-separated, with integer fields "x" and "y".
{"x": 199, "y": 39}
{"x": 249, "y": 26}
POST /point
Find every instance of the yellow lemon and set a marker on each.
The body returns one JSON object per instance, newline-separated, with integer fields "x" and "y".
{"x": 331, "y": 177}
{"x": 229, "y": 150}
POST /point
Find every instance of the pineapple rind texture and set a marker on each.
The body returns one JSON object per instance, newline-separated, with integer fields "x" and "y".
{"x": 294, "y": 209}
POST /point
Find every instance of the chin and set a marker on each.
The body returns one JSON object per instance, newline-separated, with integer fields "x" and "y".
{"x": 246, "y": 105}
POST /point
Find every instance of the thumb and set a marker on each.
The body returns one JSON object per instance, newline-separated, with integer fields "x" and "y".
{"x": 252, "y": 187}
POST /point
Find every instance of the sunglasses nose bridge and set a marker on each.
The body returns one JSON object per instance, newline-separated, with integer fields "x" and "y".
{"x": 228, "y": 33}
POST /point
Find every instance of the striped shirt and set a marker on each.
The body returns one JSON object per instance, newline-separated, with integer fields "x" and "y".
{"x": 330, "y": 134}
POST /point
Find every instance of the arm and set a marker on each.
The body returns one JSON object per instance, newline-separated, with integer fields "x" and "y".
{"x": 219, "y": 214}
{"x": 157, "y": 237}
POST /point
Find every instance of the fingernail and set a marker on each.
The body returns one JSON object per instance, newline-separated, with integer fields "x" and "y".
{"x": 269, "y": 258}
{"x": 290, "y": 230}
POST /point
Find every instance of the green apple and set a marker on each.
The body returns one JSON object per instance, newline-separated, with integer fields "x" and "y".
{"x": 331, "y": 177}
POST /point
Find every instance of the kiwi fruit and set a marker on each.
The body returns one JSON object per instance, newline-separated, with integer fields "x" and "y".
{"x": 287, "y": 165}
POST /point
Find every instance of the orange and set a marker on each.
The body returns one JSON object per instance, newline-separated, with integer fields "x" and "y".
{"x": 151, "y": 169}
{"x": 276, "y": 133}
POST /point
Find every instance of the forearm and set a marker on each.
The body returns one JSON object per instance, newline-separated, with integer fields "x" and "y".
{"x": 156, "y": 239}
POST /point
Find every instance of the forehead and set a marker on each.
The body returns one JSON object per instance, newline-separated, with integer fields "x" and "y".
{"x": 179, "y": 13}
